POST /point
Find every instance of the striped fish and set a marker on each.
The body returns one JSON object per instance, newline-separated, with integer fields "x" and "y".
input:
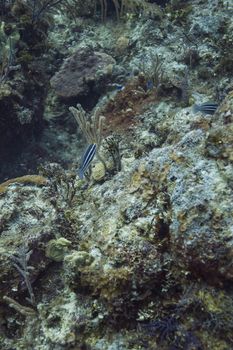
{"x": 87, "y": 158}
{"x": 206, "y": 108}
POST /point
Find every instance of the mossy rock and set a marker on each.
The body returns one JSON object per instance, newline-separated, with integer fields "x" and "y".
{"x": 57, "y": 249}
{"x": 78, "y": 259}
{"x": 5, "y": 90}
{"x": 219, "y": 143}
{"x": 225, "y": 65}
{"x": 24, "y": 57}
{"x": 27, "y": 179}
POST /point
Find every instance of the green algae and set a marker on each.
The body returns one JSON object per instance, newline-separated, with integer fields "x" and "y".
{"x": 56, "y": 249}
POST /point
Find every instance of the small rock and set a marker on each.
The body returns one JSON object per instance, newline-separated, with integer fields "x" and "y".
{"x": 98, "y": 171}
{"x": 80, "y": 72}
{"x": 57, "y": 248}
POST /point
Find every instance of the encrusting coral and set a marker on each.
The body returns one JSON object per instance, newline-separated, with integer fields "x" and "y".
{"x": 33, "y": 179}
{"x": 141, "y": 256}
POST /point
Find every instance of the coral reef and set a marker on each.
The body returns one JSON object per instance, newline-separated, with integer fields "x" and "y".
{"x": 34, "y": 179}
{"x": 23, "y": 82}
{"x": 136, "y": 254}
{"x": 81, "y": 72}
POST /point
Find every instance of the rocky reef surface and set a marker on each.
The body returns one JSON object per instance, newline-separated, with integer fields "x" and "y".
{"x": 139, "y": 253}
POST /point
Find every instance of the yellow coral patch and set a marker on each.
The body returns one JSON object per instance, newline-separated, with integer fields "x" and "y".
{"x": 27, "y": 179}
{"x": 212, "y": 304}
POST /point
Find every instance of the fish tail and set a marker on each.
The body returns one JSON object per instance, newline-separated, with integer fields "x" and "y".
{"x": 196, "y": 108}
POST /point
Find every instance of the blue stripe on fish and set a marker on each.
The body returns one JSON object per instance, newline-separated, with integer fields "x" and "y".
{"x": 87, "y": 158}
{"x": 206, "y": 108}
{"x": 149, "y": 85}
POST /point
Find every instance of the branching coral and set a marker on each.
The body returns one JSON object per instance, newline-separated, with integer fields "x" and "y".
{"x": 92, "y": 129}
{"x": 104, "y": 8}
{"x": 20, "y": 262}
{"x": 36, "y": 180}
{"x": 152, "y": 70}
{"x": 123, "y": 6}
{"x": 39, "y": 8}
{"x": 7, "y": 52}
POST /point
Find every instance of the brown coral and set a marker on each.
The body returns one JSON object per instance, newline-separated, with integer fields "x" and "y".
{"x": 80, "y": 72}
{"x": 27, "y": 179}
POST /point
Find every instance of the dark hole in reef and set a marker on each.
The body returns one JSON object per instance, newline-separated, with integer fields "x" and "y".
{"x": 23, "y": 148}
{"x": 11, "y": 323}
{"x": 123, "y": 315}
{"x": 84, "y": 347}
{"x": 82, "y": 290}
{"x": 163, "y": 230}
{"x": 160, "y": 2}
{"x": 54, "y": 321}
{"x": 208, "y": 271}
{"x": 17, "y": 151}
{"x": 87, "y": 102}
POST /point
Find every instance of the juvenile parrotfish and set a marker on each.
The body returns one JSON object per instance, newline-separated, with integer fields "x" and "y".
{"x": 206, "y": 108}
{"x": 86, "y": 159}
